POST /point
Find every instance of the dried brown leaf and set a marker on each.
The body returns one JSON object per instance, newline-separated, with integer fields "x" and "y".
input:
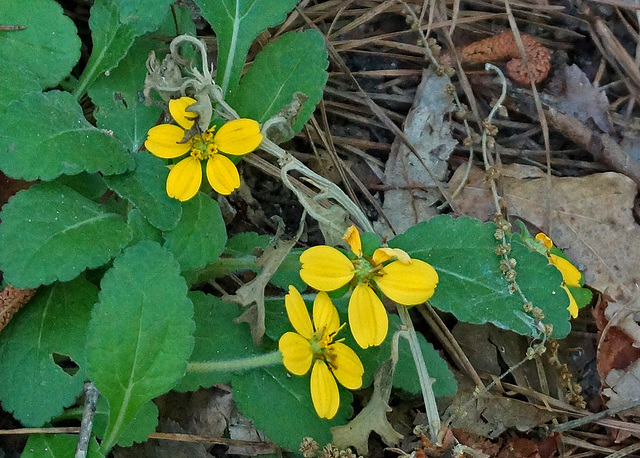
{"x": 411, "y": 195}
{"x": 576, "y": 96}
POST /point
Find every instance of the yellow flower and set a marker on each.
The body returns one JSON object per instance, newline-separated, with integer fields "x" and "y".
{"x": 570, "y": 274}
{"x": 313, "y": 345}
{"x": 167, "y": 141}
{"x": 402, "y": 279}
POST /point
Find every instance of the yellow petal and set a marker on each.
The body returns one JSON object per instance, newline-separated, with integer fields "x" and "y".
{"x": 348, "y": 368}
{"x": 178, "y": 110}
{"x": 184, "y": 179}
{"x": 325, "y": 268}
{"x": 546, "y": 241}
{"x": 324, "y": 391}
{"x": 384, "y": 254}
{"x": 367, "y": 317}
{"x": 238, "y": 137}
{"x": 297, "y": 313}
{"x": 164, "y": 141}
{"x": 222, "y": 174}
{"x": 352, "y": 237}
{"x": 573, "y": 305}
{"x": 408, "y": 284}
{"x": 296, "y": 353}
{"x": 325, "y": 314}
{"x": 570, "y": 274}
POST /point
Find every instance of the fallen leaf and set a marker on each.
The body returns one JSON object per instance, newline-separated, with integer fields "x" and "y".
{"x": 519, "y": 447}
{"x": 623, "y": 388}
{"x": 490, "y": 414}
{"x": 478, "y": 442}
{"x": 591, "y": 221}
{"x": 372, "y": 418}
{"x": 411, "y": 193}
{"x": 576, "y": 96}
{"x": 616, "y": 349}
{"x": 253, "y": 291}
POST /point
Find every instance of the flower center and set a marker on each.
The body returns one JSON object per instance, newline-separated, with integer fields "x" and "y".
{"x": 321, "y": 343}
{"x": 366, "y": 270}
{"x": 203, "y": 146}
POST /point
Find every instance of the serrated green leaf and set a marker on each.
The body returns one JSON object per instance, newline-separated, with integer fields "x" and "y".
{"x": 246, "y": 243}
{"x": 46, "y": 135}
{"x": 92, "y": 186}
{"x": 144, "y": 187}
{"x": 56, "y": 446}
{"x": 41, "y": 54}
{"x": 200, "y": 235}
{"x": 236, "y": 24}
{"x": 114, "y": 26}
{"x": 143, "y": 423}
{"x": 406, "y": 375}
{"x": 140, "y": 334}
{"x": 118, "y": 97}
{"x": 471, "y": 285}
{"x": 141, "y": 228}
{"x": 54, "y": 321}
{"x": 50, "y": 232}
{"x": 301, "y": 67}
{"x": 217, "y": 338}
{"x": 271, "y": 393}
{"x": 19, "y": 81}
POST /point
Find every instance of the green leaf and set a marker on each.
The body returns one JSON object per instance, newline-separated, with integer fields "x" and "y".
{"x": 267, "y": 88}
{"x": 236, "y": 24}
{"x": 114, "y": 26}
{"x": 141, "y": 228}
{"x": 40, "y": 55}
{"x": 118, "y": 96}
{"x": 45, "y": 135}
{"x": 247, "y": 243}
{"x": 269, "y": 394}
{"x": 471, "y": 285}
{"x": 54, "y": 322}
{"x": 19, "y": 82}
{"x": 276, "y": 320}
{"x": 217, "y": 338}
{"x": 200, "y": 235}
{"x": 56, "y": 446}
{"x": 289, "y": 272}
{"x": 92, "y": 186}
{"x": 406, "y": 375}
{"x": 144, "y": 187}
{"x": 50, "y": 232}
{"x": 582, "y": 296}
{"x": 140, "y": 334}
{"x": 144, "y": 422}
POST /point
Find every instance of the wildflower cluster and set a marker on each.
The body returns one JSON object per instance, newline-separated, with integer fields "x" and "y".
{"x": 402, "y": 279}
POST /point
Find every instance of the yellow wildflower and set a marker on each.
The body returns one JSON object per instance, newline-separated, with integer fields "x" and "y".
{"x": 167, "y": 141}
{"x": 402, "y": 279}
{"x": 570, "y": 274}
{"x": 313, "y": 345}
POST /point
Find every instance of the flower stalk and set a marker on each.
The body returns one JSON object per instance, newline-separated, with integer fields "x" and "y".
{"x": 426, "y": 382}
{"x": 241, "y": 364}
